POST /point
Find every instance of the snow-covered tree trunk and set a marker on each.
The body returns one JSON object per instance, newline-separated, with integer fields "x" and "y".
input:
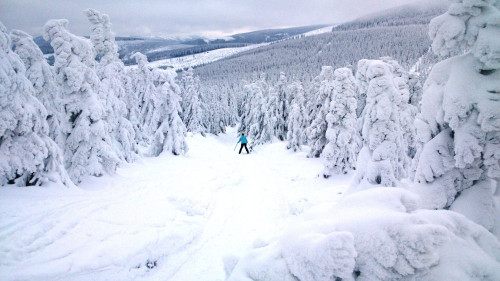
{"x": 111, "y": 72}
{"x": 458, "y": 161}
{"x": 339, "y": 155}
{"x": 28, "y": 156}
{"x": 88, "y": 148}
{"x": 316, "y": 132}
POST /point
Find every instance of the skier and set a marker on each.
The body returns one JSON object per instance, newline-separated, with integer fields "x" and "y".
{"x": 244, "y": 142}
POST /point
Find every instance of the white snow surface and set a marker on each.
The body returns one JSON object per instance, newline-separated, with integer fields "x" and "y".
{"x": 201, "y": 58}
{"x": 185, "y": 213}
{"x": 322, "y": 30}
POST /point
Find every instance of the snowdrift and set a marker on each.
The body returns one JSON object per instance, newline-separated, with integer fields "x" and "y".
{"x": 376, "y": 234}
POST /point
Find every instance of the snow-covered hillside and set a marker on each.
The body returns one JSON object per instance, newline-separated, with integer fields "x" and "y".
{"x": 302, "y": 56}
{"x": 179, "y": 216}
{"x": 201, "y": 58}
{"x": 215, "y": 55}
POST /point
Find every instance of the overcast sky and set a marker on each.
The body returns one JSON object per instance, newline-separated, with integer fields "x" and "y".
{"x": 211, "y": 18}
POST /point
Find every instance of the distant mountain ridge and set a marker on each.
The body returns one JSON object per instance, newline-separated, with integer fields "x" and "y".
{"x": 263, "y": 36}
{"x": 162, "y": 48}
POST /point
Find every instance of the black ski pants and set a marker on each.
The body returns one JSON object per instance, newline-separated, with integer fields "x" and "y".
{"x": 245, "y": 146}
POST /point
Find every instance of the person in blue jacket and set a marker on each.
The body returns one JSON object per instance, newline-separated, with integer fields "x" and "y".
{"x": 244, "y": 142}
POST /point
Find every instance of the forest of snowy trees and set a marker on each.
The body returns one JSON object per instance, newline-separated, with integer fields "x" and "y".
{"x": 423, "y": 149}
{"x": 442, "y": 144}
{"x": 88, "y": 113}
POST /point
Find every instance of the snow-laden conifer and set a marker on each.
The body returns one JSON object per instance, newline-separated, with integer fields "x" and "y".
{"x": 297, "y": 118}
{"x": 458, "y": 129}
{"x": 263, "y": 119}
{"x": 28, "y": 156}
{"x": 88, "y": 148}
{"x": 280, "y": 107}
{"x": 416, "y": 90}
{"x": 246, "y": 107}
{"x": 339, "y": 155}
{"x": 316, "y": 132}
{"x": 143, "y": 87}
{"x": 111, "y": 72}
{"x": 256, "y": 120}
{"x": 170, "y": 132}
{"x": 216, "y": 112}
{"x": 194, "y": 116}
{"x": 41, "y": 76}
{"x": 383, "y": 158}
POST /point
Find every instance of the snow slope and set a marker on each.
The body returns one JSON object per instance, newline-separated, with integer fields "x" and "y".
{"x": 178, "y": 215}
{"x": 322, "y": 30}
{"x": 202, "y": 58}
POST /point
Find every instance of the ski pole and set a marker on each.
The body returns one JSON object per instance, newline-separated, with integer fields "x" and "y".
{"x": 235, "y": 147}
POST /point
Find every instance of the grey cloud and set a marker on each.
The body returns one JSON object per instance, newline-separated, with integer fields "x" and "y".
{"x": 183, "y": 17}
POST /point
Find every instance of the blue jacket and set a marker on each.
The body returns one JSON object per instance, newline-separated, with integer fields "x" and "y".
{"x": 243, "y": 140}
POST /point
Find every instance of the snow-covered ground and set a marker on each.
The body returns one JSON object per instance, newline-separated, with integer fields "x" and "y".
{"x": 179, "y": 215}
{"x": 325, "y": 29}
{"x": 202, "y": 58}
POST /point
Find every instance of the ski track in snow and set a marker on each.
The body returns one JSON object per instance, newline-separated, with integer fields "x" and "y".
{"x": 185, "y": 213}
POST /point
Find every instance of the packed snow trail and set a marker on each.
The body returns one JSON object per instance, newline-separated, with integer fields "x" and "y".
{"x": 178, "y": 215}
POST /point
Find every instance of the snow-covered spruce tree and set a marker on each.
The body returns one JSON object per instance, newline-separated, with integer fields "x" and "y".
{"x": 228, "y": 110}
{"x": 383, "y": 158}
{"x": 316, "y": 132}
{"x": 131, "y": 100}
{"x": 416, "y": 90}
{"x": 193, "y": 106}
{"x": 41, "y": 76}
{"x": 363, "y": 83}
{"x": 28, "y": 156}
{"x": 170, "y": 132}
{"x": 297, "y": 118}
{"x": 218, "y": 117}
{"x": 231, "y": 116}
{"x": 111, "y": 72}
{"x": 280, "y": 109}
{"x": 245, "y": 108}
{"x": 253, "y": 93}
{"x": 313, "y": 100}
{"x": 458, "y": 165}
{"x": 272, "y": 105}
{"x": 407, "y": 114}
{"x": 88, "y": 147}
{"x": 143, "y": 86}
{"x": 339, "y": 155}
{"x": 407, "y": 111}
{"x": 256, "y": 120}
{"x": 261, "y": 129}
